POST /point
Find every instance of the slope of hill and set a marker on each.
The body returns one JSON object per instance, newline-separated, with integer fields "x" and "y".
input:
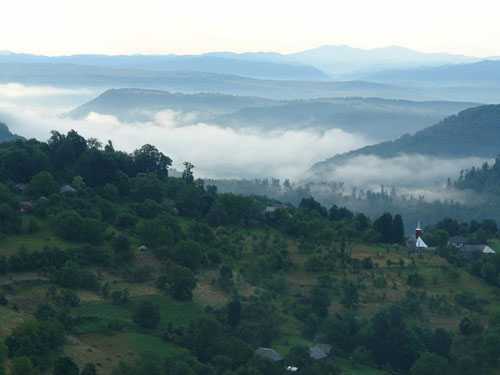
{"x": 485, "y": 72}
{"x": 6, "y": 135}
{"x": 377, "y": 119}
{"x": 192, "y": 82}
{"x": 141, "y": 104}
{"x": 135, "y": 272}
{"x": 473, "y": 132}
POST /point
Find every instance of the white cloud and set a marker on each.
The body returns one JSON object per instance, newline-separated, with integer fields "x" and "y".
{"x": 411, "y": 173}
{"x": 215, "y": 151}
{"x": 17, "y": 90}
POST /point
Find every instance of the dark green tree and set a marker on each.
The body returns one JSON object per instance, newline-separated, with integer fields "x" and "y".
{"x": 430, "y": 364}
{"x": 398, "y": 230}
{"x": 65, "y": 366}
{"x": 234, "y": 310}
{"x": 384, "y": 226}
{"x": 42, "y": 184}
{"x": 89, "y": 369}
{"x": 182, "y": 282}
{"x": 146, "y": 314}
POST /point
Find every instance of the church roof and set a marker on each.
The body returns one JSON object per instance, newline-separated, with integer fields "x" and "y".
{"x": 420, "y": 243}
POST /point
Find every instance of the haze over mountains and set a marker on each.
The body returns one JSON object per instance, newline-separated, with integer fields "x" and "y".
{"x": 473, "y": 134}
{"x": 319, "y": 102}
{"x": 376, "y": 119}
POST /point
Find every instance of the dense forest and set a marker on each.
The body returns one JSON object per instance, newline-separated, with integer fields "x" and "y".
{"x": 109, "y": 265}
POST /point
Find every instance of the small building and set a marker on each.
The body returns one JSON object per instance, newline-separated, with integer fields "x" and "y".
{"x": 474, "y": 251}
{"x": 269, "y": 353}
{"x": 457, "y": 241}
{"x": 68, "y": 189}
{"x": 320, "y": 351}
{"x": 19, "y": 188}
{"x": 270, "y": 209}
{"x": 292, "y": 369}
{"x": 143, "y": 248}
{"x": 25, "y": 206}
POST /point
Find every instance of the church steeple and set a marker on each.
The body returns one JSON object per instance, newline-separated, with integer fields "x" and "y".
{"x": 418, "y": 231}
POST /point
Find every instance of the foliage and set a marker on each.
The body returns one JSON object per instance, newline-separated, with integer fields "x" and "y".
{"x": 146, "y": 314}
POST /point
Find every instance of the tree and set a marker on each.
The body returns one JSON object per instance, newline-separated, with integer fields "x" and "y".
{"x": 320, "y": 301}
{"x": 121, "y": 245}
{"x": 3, "y": 357}
{"x": 146, "y": 314}
{"x": 10, "y": 221}
{"x": 441, "y": 341}
{"x": 69, "y": 225}
{"x": 203, "y": 337}
{"x": 146, "y": 185}
{"x": 182, "y": 282}
{"x": 149, "y": 160}
{"x": 430, "y": 364}
{"x": 491, "y": 348}
{"x": 42, "y": 184}
{"x": 349, "y": 294}
{"x": 187, "y": 174}
{"x": 65, "y": 366}
{"x": 45, "y": 311}
{"x": 489, "y": 273}
{"x": 225, "y": 279}
{"x": 35, "y": 339}
{"x": 383, "y": 225}
{"x": 398, "y": 230}
{"x": 299, "y": 356}
{"x": 188, "y": 254}
{"x": 23, "y": 366}
{"x": 234, "y": 312}
{"x": 89, "y": 369}
{"x": 361, "y": 354}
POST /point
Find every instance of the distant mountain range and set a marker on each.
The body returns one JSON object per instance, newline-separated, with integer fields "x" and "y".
{"x": 280, "y": 70}
{"x": 473, "y": 132}
{"x": 6, "y": 135}
{"x": 376, "y": 119}
{"x": 313, "y": 64}
{"x": 484, "y": 72}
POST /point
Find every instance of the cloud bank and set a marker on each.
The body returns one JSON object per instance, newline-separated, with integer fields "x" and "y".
{"x": 220, "y": 152}
{"x": 217, "y": 152}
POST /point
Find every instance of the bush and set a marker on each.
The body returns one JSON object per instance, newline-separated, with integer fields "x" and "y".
{"x": 146, "y": 314}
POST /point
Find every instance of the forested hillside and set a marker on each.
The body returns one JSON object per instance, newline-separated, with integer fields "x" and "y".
{"x": 375, "y": 118}
{"x": 472, "y": 132}
{"x": 109, "y": 265}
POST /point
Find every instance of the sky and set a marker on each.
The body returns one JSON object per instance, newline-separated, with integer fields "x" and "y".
{"x": 62, "y": 27}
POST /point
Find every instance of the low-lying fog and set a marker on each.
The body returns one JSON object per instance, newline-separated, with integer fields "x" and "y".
{"x": 219, "y": 152}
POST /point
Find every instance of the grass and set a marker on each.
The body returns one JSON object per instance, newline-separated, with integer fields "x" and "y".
{"x": 349, "y": 369}
{"x": 44, "y": 236}
{"x": 171, "y": 311}
{"x": 10, "y": 319}
{"x": 283, "y": 344}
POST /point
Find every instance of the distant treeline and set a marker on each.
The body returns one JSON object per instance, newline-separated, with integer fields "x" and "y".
{"x": 375, "y": 203}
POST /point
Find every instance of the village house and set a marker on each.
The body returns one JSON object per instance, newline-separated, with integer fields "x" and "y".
{"x": 269, "y": 353}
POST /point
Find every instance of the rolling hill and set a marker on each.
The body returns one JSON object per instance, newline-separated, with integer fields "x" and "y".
{"x": 472, "y": 132}
{"x": 377, "y": 119}
{"x": 192, "y": 82}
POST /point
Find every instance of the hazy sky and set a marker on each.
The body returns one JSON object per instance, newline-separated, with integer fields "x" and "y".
{"x": 56, "y": 27}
